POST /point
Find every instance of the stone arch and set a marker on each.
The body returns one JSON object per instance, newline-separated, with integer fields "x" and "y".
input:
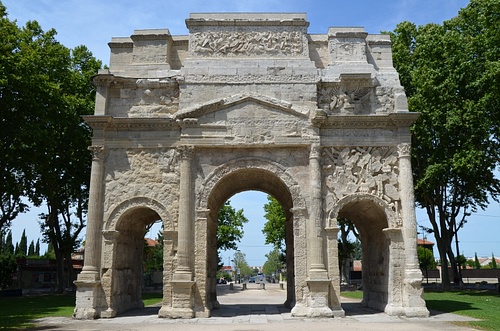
{"x": 373, "y": 217}
{"x": 115, "y": 216}
{"x": 244, "y": 174}
{"x": 275, "y": 170}
{"x": 393, "y": 217}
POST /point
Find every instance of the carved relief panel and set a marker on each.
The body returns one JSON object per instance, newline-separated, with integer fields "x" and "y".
{"x": 361, "y": 170}
{"x": 342, "y": 99}
{"x": 231, "y": 43}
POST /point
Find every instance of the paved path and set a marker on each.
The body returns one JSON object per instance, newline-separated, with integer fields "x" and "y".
{"x": 256, "y": 309}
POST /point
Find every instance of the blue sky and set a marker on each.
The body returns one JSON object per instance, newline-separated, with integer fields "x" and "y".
{"x": 94, "y": 22}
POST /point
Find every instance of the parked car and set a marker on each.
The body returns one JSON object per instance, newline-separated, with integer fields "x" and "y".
{"x": 251, "y": 280}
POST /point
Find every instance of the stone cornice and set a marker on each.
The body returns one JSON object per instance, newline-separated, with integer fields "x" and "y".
{"x": 109, "y": 79}
{"x": 247, "y": 19}
{"x": 366, "y": 121}
{"x": 127, "y": 123}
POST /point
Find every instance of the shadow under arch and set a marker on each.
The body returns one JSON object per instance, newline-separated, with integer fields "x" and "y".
{"x": 371, "y": 216}
{"x": 123, "y": 251}
{"x": 248, "y": 174}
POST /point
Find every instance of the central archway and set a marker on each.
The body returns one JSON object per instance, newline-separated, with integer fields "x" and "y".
{"x": 249, "y": 174}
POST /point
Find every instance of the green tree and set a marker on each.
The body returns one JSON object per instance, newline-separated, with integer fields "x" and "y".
{"x": 7, "y": 246}
{"x": 275, "y": 261}
{"x": 477, "y": 265}
{"x": 426, "y": 259}
{"x": 37, "y": 247}
{"x": 45, "y": 90}
{"x": 230, "y": 228}
{"x": 242, "y": 267}
{"x": 493, "y": 263}
{"x": 22, "y": 249}
{"x": 8, "y": 266}
{"x": 347, "y": 248}
{"x": 31, "y": 249}
{"x": 274, "y": 229}
{"x": 153, "y": 260}
{"x": 13, "y": 170}
{"x": 450, "y": 74}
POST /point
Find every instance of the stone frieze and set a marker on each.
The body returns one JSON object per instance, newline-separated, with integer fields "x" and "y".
{"x": 249, "y": 44}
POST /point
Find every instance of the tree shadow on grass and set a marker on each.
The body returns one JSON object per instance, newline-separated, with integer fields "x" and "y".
{"x": 438, "y": 307}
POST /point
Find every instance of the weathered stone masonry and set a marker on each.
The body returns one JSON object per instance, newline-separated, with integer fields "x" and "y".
{"x": 250, "y": 102}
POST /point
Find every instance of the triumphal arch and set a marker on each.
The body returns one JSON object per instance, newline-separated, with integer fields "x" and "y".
{"x": 250, "y": 102}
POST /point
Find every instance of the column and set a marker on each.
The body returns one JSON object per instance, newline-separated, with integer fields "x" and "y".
{"x": 317, "y": 268}
{"x": 94, "y": 220}
{"x": 88, "y": 294}
{"x": 186, "y": 216}
{"x": 413, "y": 304}
{"x": 408, "y": 205}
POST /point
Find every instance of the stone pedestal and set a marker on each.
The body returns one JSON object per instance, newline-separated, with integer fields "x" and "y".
{"x": 87, "y": 293}
{"x": 316, "y": 304}
{"x": 182, "y": 301}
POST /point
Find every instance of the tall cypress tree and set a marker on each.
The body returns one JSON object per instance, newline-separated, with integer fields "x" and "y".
{"x": 8, "y": 247}
{"x": 477, "y": 265}
{"x": 31, "y": 249}
{"x": 23, "y": 245}
{"x": 37, "y": 248}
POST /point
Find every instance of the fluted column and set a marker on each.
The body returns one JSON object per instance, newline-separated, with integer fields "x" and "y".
{"x": 412, "y": 302}
{"x": 314, "y": 229}
{"x": 186, "y": 215}
{"x": 94, "y": 219}
{"x": 408, "y": 205}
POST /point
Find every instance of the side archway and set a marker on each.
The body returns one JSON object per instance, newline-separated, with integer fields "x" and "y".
{"x": 123, "y": 250}
{"x": 377, "y": 223}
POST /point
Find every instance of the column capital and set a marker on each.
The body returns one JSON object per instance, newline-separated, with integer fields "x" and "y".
{"x": 404, "y": 150}
{"x": 186, "y": 152}
{"x": 97, "y": 152}
{"x": 315, "y": 151}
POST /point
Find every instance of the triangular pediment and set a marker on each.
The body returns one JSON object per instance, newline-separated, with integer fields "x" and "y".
{"x": 260, "y": 102}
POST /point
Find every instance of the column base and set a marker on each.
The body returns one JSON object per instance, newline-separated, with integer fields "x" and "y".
{"x": 316, "y": 304}
{"x": 87, "y": 293}
{"x": 182, "y": 301}
{"x": 108, "y": 313}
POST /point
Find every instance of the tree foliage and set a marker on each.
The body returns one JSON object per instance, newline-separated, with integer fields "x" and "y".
{"x": 13, "y": 170}
{"x": 230, "y": 228}
{"x": 451, "y": 74}
{"x": 242, "y": 267}
{"x": 153, "y": 256}
{"x": 274, "y": 229}
{"x": 426, "y": 258}
{"x": 7, "y": 260}
{"x": 348, "y": 250}
{"x": 275, "y": 261}
{"x": 493, "y": 263}
{"x": 44, "y": 90}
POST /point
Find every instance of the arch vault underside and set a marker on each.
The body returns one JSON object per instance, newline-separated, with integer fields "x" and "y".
{"x": 243, "y": 103}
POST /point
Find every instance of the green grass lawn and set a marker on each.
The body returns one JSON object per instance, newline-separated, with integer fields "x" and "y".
{"x": 477, "y": 304}
{"x": 19, "y": 312}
